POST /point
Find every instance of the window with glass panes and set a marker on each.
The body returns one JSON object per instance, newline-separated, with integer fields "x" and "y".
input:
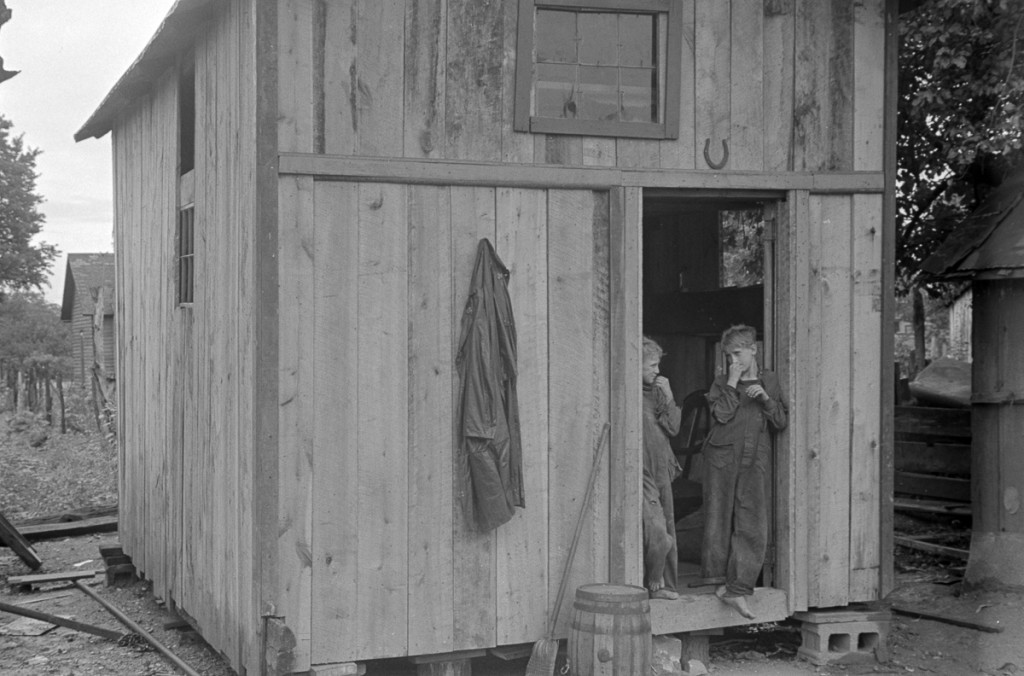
{"x": 607, "y": 69}
{"x": 186, "y": 254}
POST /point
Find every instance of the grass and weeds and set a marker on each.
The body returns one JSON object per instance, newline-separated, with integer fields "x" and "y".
{"x": 44, "y": 472}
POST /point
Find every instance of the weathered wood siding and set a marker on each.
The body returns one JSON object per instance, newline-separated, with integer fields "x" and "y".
{"x": 185, "y": 373}
{"x": 82, "y": 345}
{"x": 374, "y": 278}
{"x": 792, "y": 85}
{"x": 370, "y": 299}
{"x": 359, "y": 546}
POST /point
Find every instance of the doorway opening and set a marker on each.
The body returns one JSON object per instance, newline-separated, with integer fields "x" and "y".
{"x": 708, "y": 264}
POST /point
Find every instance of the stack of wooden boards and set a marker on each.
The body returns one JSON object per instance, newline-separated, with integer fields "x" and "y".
{"x": 933, "y": 460}
{"x": 933, "y": 472}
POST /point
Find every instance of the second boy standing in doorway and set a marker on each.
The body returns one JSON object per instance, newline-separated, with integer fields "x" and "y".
{"x": 661, "y": 422}
{"x": 746, "y": 404}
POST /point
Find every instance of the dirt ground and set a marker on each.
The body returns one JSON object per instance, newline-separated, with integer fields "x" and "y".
{"x": 70, "y": 472}
{"x": 916, "y": 645}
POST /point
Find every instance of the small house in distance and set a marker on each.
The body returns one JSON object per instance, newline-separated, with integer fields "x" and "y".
{"x": 90, "y": 278}
{"x": 300, "y": 190}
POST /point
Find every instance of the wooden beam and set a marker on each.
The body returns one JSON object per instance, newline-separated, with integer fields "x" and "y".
{"x": 61, "y": 621}
{"x": 464, "y": 172}
{"x": 264, "y": 381}
{"x": 10, "y": 536}
{"x": 887, "y": 581}
{"x": 40, "y": 578}
{"x": 626, "y": 329}
{"x": 43, "y": 531}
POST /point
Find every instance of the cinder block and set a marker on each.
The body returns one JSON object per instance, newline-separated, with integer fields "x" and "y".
{"x": 845, "y": 636}
{"x": 122, "y": 572}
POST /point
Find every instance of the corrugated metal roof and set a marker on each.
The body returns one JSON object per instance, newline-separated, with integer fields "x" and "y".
{"x": 990, "y": 242}
{"x": 87, "y": 271}
{"x": 175, "y": 34}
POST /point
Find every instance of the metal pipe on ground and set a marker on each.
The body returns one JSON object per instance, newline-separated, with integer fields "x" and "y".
{"x": 149, "y": 638}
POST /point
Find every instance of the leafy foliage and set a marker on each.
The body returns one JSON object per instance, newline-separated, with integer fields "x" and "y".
{"x": 32, "y": 336}
{"x": 23, "y": 263}
{"x": 961, "y": 118}
{"x": 742, "y": 247}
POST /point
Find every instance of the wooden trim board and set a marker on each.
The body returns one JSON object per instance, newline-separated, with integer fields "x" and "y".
{"x": 492, "y": 174}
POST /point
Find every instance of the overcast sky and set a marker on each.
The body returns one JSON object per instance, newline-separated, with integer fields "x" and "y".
{"x": 70, "y": 54}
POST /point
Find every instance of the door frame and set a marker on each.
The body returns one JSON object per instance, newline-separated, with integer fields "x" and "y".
{"x": 626, "y": 232}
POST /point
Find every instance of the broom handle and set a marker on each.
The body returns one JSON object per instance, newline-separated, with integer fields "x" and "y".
{"x": 579, "y": 529}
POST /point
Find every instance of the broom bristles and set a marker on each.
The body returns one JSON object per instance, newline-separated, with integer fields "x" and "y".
{"x": 542, "y": 659}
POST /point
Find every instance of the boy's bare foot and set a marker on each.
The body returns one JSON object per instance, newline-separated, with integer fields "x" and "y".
{"x": 655, "y": 585}
{"x": 739, "y": 603}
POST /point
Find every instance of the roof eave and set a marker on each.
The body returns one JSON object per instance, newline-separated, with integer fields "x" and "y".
{"x": 175, "y": 33}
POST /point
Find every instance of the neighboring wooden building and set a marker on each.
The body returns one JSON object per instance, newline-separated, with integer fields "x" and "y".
{"x": 300, "y": 187}
{"x": 90, "y": 277}
{"x": 988, "y": 250}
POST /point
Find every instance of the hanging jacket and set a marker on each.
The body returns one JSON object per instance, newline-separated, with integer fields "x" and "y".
{"x": 489, "y": 457}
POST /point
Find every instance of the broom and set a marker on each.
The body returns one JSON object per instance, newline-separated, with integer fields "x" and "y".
{"x": 542, "y": 659}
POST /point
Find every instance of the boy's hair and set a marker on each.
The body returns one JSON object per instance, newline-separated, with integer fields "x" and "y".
{"x": 739, "y": 335}
{"x": 652, "y": 350}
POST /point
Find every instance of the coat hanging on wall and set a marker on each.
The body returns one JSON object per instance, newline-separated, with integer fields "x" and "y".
{"x": 489, "y": 456}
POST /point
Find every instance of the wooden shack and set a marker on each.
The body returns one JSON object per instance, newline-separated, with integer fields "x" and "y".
{"x": 88, "y": 307}
{"x": 300, "y": 188}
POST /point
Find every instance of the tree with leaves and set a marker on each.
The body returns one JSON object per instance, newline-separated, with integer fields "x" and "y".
{"x": 23, "y": 262}
{"x": 34, "y": 344}
{"x": 960, "y": 124}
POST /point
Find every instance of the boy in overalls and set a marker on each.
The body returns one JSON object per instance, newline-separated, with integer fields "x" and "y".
{"x": 746, "y": 403}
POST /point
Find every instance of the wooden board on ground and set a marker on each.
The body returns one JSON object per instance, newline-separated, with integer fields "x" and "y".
{"x": 26, "y": 626}
{"x": 11, "y": 537}
{"x": 43, "y": 578}
{"x": 44, "y": 531}
{"x": 61, "y": 621}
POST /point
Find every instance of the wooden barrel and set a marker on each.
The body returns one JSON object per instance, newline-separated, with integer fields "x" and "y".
{"x": 610, "y": 632}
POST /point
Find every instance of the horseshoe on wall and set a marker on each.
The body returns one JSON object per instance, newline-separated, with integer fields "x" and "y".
{"x": 707, "y": 154}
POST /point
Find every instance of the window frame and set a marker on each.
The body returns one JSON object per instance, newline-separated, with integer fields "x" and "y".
{"x": 185, "y": 254}
{"x": 525, "y": 121}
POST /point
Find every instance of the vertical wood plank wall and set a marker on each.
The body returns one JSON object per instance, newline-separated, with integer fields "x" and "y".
{"x": 395, "y": 568}
{"x": 370, "y": 543}
{"x": 185, "y": 384}
{"x": 778, "y": 79}
{"x": 793, "y": 85}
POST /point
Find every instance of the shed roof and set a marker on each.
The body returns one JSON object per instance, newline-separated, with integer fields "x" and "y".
{"x": 87, "y": 271}
{"x": 990, "y": 242}
{"x": 175, "y": 33}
